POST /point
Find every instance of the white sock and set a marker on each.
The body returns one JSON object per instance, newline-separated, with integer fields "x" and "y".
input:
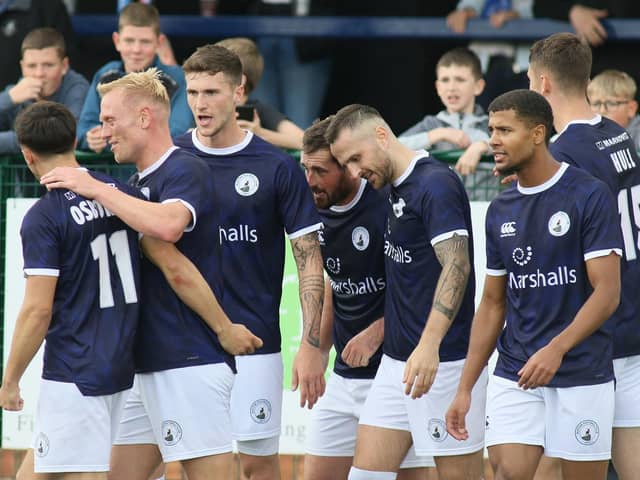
{"x": 357, "y": 474}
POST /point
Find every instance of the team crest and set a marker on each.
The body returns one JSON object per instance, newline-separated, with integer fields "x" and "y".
{"x": 247, "y": 184}
{"x": 333, "y": 265}
{"x": 360, "y": 238}
{"x": 260, "y": 411}
{"x": 522, "y": 256}
{"x": 398, "y": 207}
{"x": 587, "y": 432}
{"x": 559, "y": 224}
{"x": 437, "y": 430}
{"x": 171, "y": 432}
{"x": 42, "y": 445}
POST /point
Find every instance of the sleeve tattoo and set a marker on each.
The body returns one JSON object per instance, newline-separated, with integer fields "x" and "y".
{"x": 306, "y": 251}
{"x": 453, "y": 255}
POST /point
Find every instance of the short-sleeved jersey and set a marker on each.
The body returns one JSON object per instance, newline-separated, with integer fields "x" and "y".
{"x": 605, "y": 150}
{"x": 263, "y": 194}
{"x": 427, "y": 205}
{"x": 352, "y": 244}
{"x": 171, "y": 334}
{"x": 541, "y": 238}
{"x": 94, "y": 320}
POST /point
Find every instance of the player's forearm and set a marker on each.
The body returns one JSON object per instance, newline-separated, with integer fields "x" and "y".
{"x": 375, "y": 331}
{"x": 306, "y": 251}
{"x": 186, "y": 281}
{"x": 453, "y": 255}
{"x": 158, "y": 220}
{"x": 32, "y": 325}
{"x": 326, "y": 323}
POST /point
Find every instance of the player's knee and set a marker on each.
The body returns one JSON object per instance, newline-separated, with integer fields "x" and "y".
{"x": 509, "y": 469}
{"x": 357, "y": 474}
{"x": 259, "y": 466}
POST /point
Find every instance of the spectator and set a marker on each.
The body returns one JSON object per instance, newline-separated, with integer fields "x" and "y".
{"x": 462, "y": 124}
{"x": 267, "y": 122}
{"x": 19, "y": 17}
{"x": 45, "y": 75}
{"x": 137, "y": 41}
{"x": 504, "y": 64}
{"x": 612, "y": 93}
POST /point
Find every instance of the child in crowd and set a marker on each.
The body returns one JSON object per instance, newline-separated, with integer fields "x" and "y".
{"x": 267, "y": 122}
{"x": 137, "y": 40}
{"x": 612, "y": 93}
{"x": 462, "y": 124}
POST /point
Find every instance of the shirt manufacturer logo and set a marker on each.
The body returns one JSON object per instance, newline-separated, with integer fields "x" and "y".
{"x": 508, "y": 229}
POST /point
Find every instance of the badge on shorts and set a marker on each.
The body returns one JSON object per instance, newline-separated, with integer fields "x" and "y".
{"x": 437, "y": 430}
{"x": 171, "y": 432}
{"x": 587, "y": 432}
{"x": 42, "y": 445}
{"x": 260, "y": 411}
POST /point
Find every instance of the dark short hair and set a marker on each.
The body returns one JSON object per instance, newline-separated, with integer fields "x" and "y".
{"x": 214, "y": 59}
{"x": 45, "y": 37}
{"x": 463, "y": 57}
{"x": 350, "y": 117}
{"x": 529, "y": 106}
{"x": 567, "y": 58}
{"x": 314, "y": 137}
{"x": 47, "y": 128}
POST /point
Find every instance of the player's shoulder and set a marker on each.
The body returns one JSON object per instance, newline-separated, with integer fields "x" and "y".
{"x": 259, "y": 147}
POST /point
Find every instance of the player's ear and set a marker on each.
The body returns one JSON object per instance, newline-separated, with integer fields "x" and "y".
{"x": 539, "y": 134}
{"x": 382, "y": 136}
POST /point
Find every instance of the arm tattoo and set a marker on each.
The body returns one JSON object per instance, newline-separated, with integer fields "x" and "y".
{"x": 306, "y": 251}
{"x": 453, "y": 255}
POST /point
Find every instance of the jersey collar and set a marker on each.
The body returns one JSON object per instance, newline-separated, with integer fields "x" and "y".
{"x": 221, "y": 151}
{"x": 419, "y": 154}
{"x": 354, "y": 201}
{"x": 157, "y": 164}
{"x": 593, "y": 121}
{"x": 546, "y": 185}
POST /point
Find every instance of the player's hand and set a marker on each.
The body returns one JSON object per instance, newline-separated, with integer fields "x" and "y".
{"x": 507, "y": 179}
{"x": 252, "y": 126}
{"x": 541, "y": 367}
{"x": 10, "y": 398}
{"x": 359, "y": 350}
{"x": 586, "y": 23}
{"x": 70, "y": 178}
{"x": 421, "y": 368}
{"x": 95, "y": 140}
{"x": 456, "y": 414}
{"x": 28, "y": 88}
{"x": 236, "y": 339}
{"x": 308, "y": 374}
{"x": 457, "y": 21}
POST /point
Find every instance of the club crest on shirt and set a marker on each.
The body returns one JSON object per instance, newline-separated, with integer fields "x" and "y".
{"x": 398, "y": 207}
{"x": 587, "y": 432}
{"x": 171, "y": 432}
{"x": 260, "y": 411}
{"x": 437, "y": 430}
{"x": 559, "y": 224}
{"x": 247, "y": 184}
{"x": 522, "y": 256}
{"x": 42, "y": 445}
{"x": 360, "y": 238}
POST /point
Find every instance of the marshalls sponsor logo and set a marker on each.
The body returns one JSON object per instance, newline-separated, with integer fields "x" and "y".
{"x": 360, "y": 238}
{"x": 247, "y": 184}
{"x": 587, "y": 432}
{"x": 522, "y": 256}
{"x": 171, "y": 432}
{"x": 559, "y": 224}
{"x": 260, "y": 411}
{"x": 42, "y": 445}
{"x": 508, "y": 229}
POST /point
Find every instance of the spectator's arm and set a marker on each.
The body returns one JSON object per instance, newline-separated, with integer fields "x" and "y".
{"x": 90, "y": 114}
{"x": 9, "y": 142}
{"x": 288, "y": 135}
{"x": 75, "y": 96}
{"x": 181, "y": 118}
{"x": 524, "y": 8}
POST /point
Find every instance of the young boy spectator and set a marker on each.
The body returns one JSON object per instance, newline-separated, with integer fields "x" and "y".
{"x": 612, "y": 93}
{"x": 462, "y": 124}
{"x": 137, "y": 41}
{"x": 268, "y": 123}
{"x": 45, "y": 75}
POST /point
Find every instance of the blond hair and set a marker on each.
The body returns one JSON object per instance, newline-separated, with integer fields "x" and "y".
{"x": 613, "y": 82}
{"x": 146, "y": 84}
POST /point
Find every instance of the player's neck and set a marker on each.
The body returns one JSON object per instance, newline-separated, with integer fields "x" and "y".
{"x": 154, "y": 150}
{"x": 569, "y": 109}
{"x": 60, "y": 160}
{"x": 228, "y": 137}
{"x": 540, "y": 169}
{"x": 401, "y": 158}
